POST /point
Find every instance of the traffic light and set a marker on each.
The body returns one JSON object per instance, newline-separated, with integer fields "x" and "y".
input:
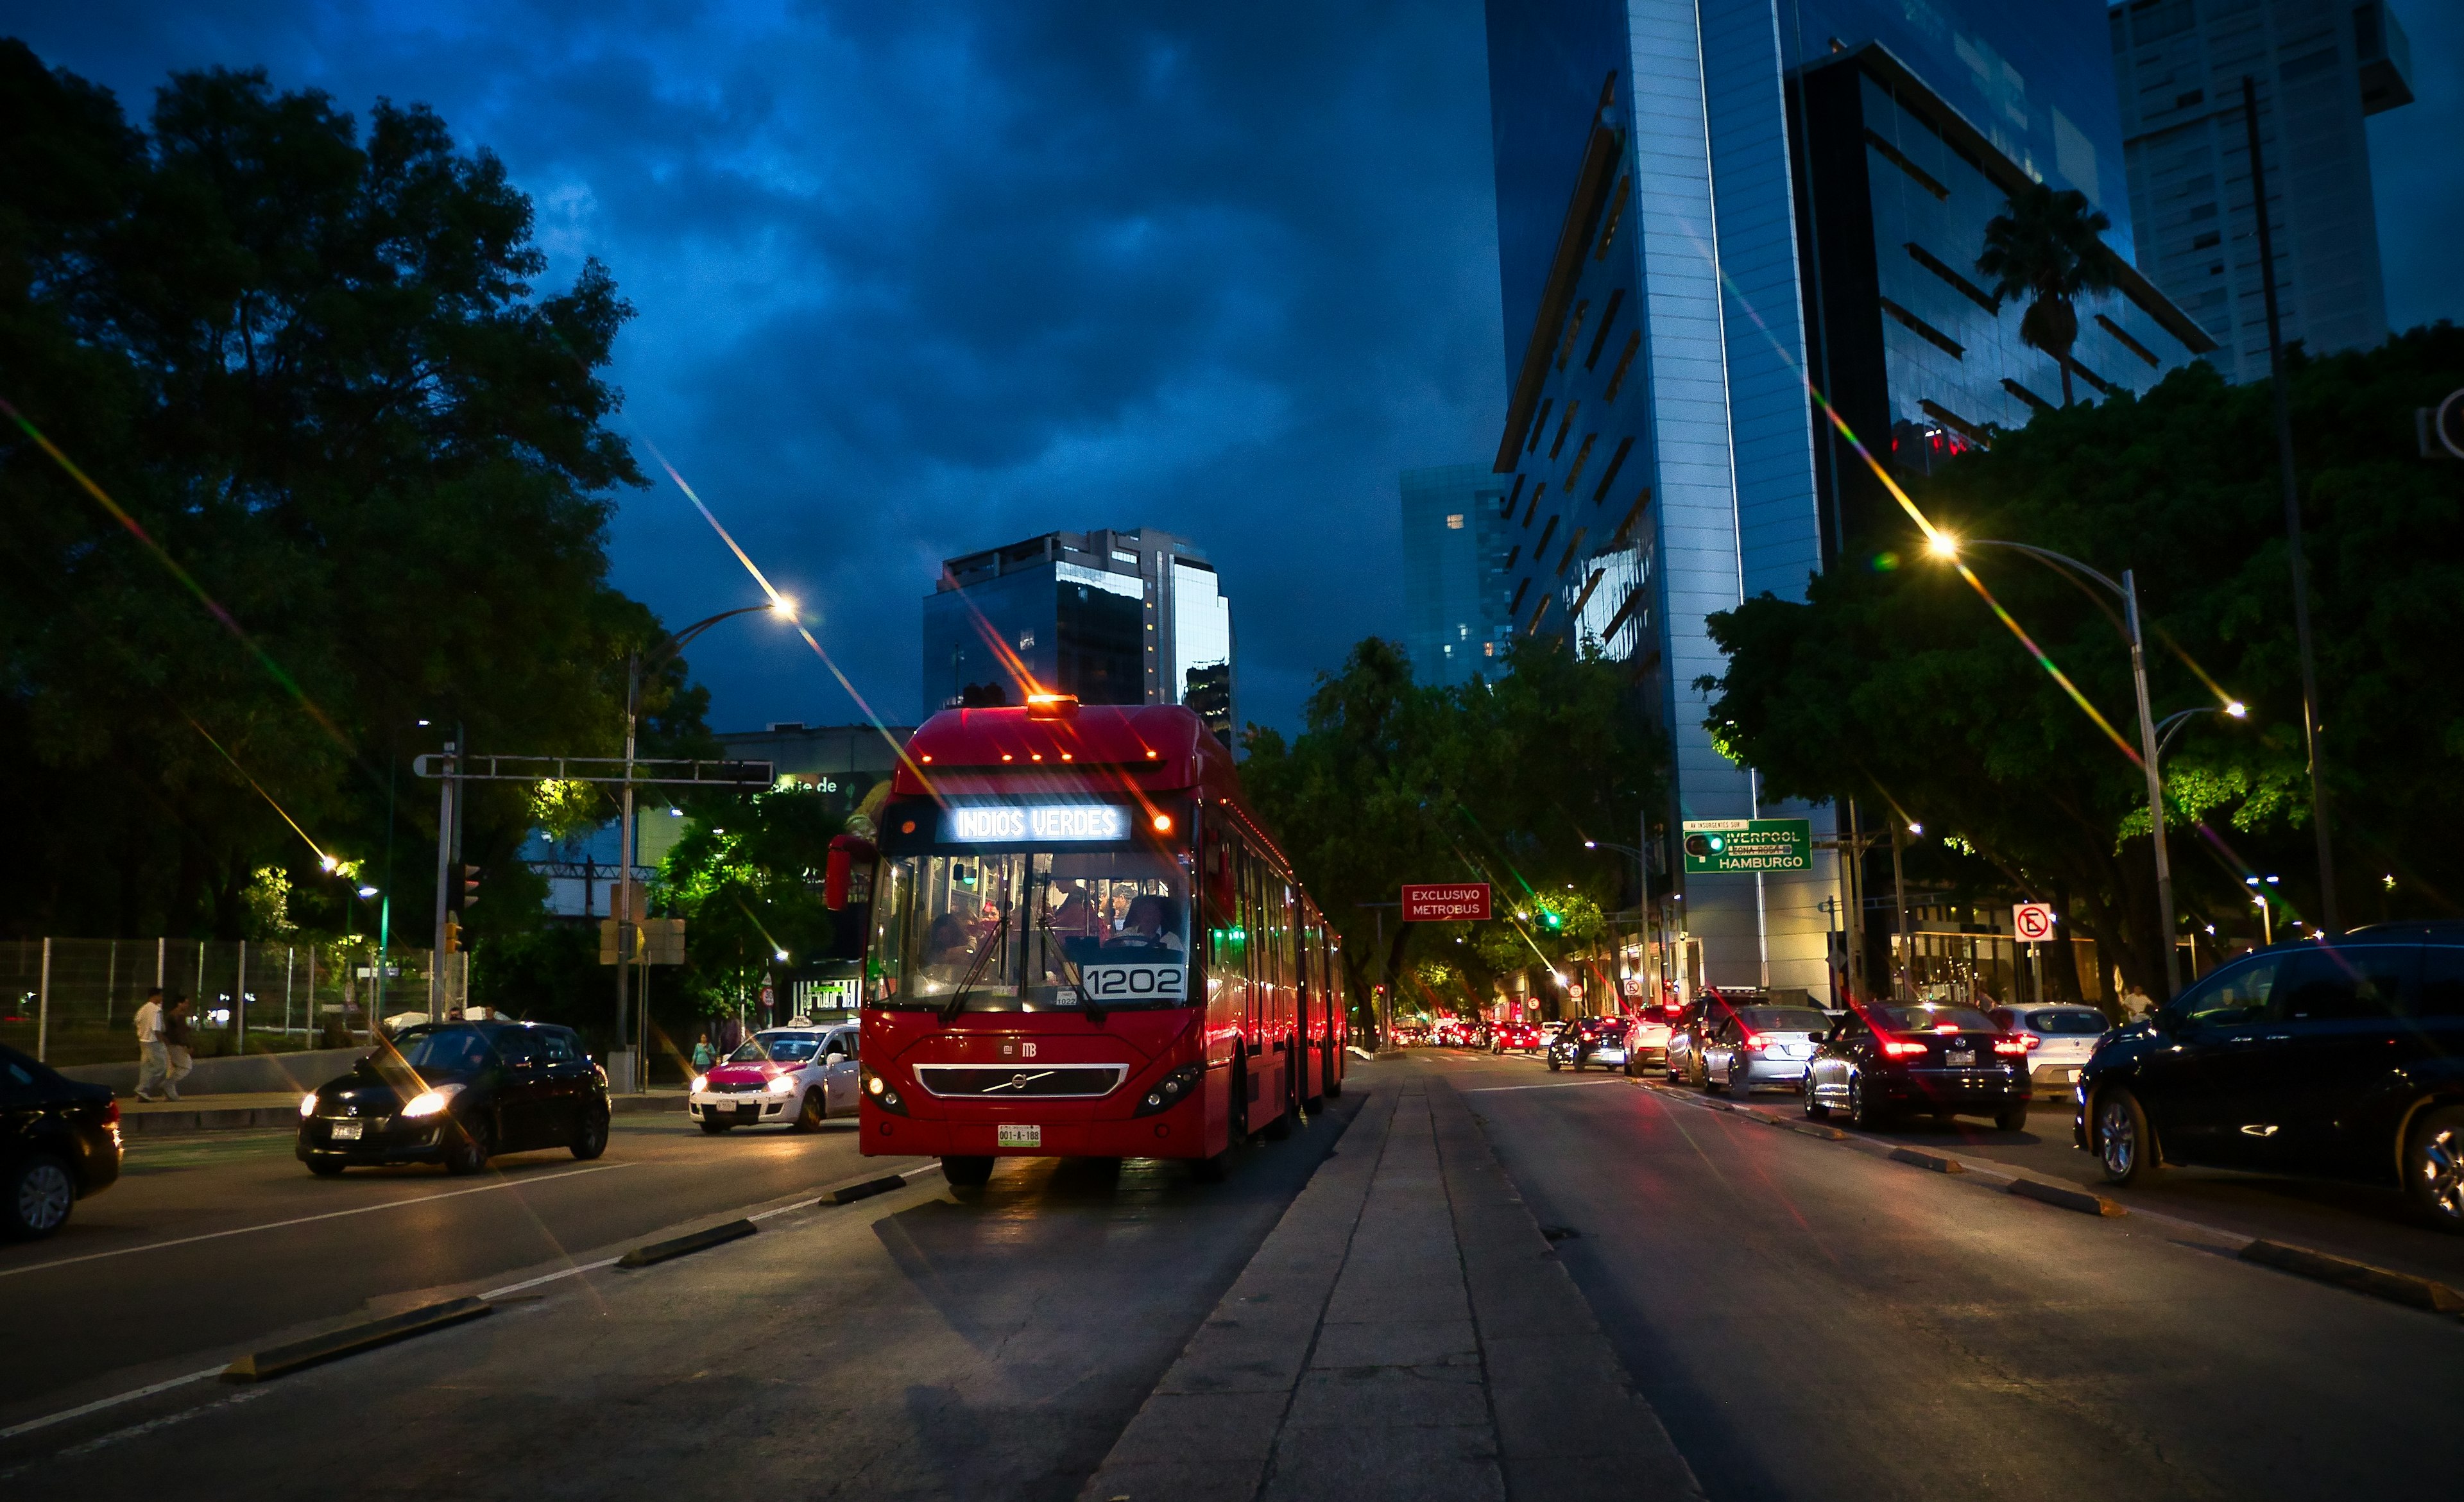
{"x": 1552, "y": 918}
{"x": 466, "y": 887}
{"x": 453, "y": 936}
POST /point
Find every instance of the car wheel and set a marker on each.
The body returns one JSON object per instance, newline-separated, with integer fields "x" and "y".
{"x": 2012, "y": 1117}
{"x": 1814, "y": 1110}
{"x": 593, "y": 1140}
{"x": 325, "y": 1167}
{"x": 716, "y": 1128}
{"x": 809, "y": 1115}
{"x": 1554, "y": 1064}
{"x": 967, "y": 1173}
{"x": 1578, "y": 1061}
{"x": 1863, "y": 1108}
{"x": 38, "y": 1193}
{"x": 2433, "y": 1167}
{"x": 1711, "y": 1084}
{"x": 470, "y": 1149}
{"x": 1699, "y": 1073}
{"x": 1632, "y": 1067}
{"x": 2126, "y": 1145}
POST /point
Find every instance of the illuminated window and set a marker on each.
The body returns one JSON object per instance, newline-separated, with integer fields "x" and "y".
{"x": 1454, "y": 521}
{"x": 1490, "y": 650}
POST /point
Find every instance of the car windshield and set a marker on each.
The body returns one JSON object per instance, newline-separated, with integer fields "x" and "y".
{"x": 1784, "y": 1019}
{"x": 1019, "y": 931}
{"x": 2067, "y": 1022}
{"x": 1933, "y": 1019}
{"x": 446, "y": 1051}
{"x": 779, "y": 1047}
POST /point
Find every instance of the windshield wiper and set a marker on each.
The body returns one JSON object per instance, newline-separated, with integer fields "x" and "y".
{"x": 1077, "y": 977}
{"x": 967, "y": 983}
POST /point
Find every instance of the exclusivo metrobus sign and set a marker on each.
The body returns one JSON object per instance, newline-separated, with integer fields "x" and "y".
{"x": 1715, "y": 846}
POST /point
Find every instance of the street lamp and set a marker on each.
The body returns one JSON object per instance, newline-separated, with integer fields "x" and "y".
{"x": 1942, "y": 544}
{"x": 635, "y": 671}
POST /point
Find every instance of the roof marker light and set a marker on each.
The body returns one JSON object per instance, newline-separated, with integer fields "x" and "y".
{"x": 1052, "y": 706}
{"x": 1152, "y": 755}
{"x": 1007, "y": 756}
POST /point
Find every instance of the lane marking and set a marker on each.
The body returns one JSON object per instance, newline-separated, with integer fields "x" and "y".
{"x": 304, "y": 1220}
{"x": 1483, "y": 1089}
{"x": 100, "y": 1403}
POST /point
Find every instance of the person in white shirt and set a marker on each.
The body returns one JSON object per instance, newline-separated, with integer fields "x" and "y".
{"x": 153, "y": 1056}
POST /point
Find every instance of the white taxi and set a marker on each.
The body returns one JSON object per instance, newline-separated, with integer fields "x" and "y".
{"x": 794, "y": 1077}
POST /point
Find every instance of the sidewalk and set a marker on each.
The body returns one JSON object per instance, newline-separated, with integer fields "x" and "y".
{"x": 1405, "y": 1332}
{"x": 261, "y": 1109}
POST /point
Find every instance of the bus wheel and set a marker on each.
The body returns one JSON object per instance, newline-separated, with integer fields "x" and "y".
{"x": 967, "y": 1173}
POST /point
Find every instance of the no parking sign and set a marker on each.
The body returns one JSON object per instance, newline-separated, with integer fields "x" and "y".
{"x": 2033, "y": 921}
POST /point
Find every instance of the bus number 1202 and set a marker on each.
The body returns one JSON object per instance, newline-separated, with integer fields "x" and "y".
{"x": 1134, "y": 982}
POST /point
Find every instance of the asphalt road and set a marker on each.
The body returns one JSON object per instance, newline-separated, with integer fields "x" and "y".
{"x": 929, "y": 1342}
{"x": 211, "y": 1241}
{"x": 1812, "y": 1321}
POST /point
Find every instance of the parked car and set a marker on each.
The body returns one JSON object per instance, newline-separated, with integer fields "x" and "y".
{"x": 1686, "y": 1033}
{"x": 786, "y": 1076}
{"x": 59, "y": 1142}
{"x": 2342, "y": 1058}
{"x": 457, "y": 1094}
{"x": 1646, "y": 1043}
{"x": 1934, "y": 1057}
{"x": 1761, "y": 1045}
{"x": 1514, "y": 1037}
{"x": 1588, "y": 1040}
{"x": 2059, "y": 1040}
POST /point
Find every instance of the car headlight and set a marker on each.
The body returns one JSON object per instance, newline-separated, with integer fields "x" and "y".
{"x": 700, "y": 1083}
{"x": 1170, "y": 1090}
{"x": 782, "y": 1084}
{"x": 431, "y": 1102}
{"x": 308, "y": 1104}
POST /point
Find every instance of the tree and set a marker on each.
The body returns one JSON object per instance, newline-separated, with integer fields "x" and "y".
{"x": 2044, "y": 247}
{"x": 1392, "y": 782}
{"x": 1897, "y": 686}
{"x": 364, "y": 468}
{"x": 747, "y": 879}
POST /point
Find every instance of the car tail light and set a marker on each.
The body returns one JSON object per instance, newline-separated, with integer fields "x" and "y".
{"x": 1900, "y": 1050}
{"x": 1754, "y": 1040}
{"x": 2030, "y": 1039}
{"x": 2020, "y": 1044}
{"x": 111, "y": 1112}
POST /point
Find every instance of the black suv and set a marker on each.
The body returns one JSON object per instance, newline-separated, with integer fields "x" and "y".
{"x": 458, "y": 1093}
{"x": 1588, "y": 1040}
{"x": 2343, "y": 1057}
{"x": 59, "y": 1141}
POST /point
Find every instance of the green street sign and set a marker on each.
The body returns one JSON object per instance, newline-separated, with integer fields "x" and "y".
{"x": 1713, "y": 846}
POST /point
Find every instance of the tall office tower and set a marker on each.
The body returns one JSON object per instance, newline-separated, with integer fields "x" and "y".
{"x": 1721, "y": 222}
{"x": 2319, "y": 66}
{"x": 1114, "y": 617}
{"x": 1454, "y": 572}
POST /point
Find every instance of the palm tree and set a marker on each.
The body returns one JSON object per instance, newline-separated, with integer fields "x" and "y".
{"x": 2046, "y": 249}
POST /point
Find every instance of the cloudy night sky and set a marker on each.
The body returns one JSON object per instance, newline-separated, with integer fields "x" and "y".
{"x": 916, "y": 279}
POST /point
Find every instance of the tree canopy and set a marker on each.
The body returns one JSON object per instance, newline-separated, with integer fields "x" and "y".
{"x": 1895, "y": 684}
{"x": 338, "y": 468}
{"x": 1394, "y": 782}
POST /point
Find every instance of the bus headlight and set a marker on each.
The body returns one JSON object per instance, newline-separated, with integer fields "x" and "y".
{"x": 879, "y": 1092}
{"x": 1170, "y": 1090}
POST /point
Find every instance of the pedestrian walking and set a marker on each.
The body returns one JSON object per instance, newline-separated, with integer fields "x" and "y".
{"x": 175, "y": 1047}
{"x": 704, "y": 1055}
{"x": 153, "y": 1060}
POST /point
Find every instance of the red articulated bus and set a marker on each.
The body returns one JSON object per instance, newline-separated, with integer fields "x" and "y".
{"x": 1083, "y": 945}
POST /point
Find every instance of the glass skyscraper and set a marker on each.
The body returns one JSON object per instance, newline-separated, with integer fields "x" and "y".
{"x": 2318, "y": 67}
{"x": 1709, "y": 211}
{"x": 1454, "y": 573}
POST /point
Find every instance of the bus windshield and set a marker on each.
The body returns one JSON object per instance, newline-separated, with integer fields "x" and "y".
{"x": 1034, "y": 931}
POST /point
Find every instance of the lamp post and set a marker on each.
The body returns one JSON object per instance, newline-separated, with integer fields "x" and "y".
{"x": 636, "y": 669}
{"x": 1944, "y": 545}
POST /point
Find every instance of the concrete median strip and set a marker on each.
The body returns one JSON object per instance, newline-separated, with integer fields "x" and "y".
{"x": 850, "y": 1193}
{"x": 1933, "y": 1160}
{"x": 2359, "y": 1277}
{"x": 259, "y": 1365}
{"x": 702, "y": 1240}
{"x": 2064, "y": 1197}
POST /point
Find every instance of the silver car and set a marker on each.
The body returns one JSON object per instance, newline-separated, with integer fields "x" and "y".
{"x": 1761, "y": 1045}
{"x": 2061, "y": 1038}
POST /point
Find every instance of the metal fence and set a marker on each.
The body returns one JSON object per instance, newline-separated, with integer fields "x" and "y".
{"x": 74, "y": 1000}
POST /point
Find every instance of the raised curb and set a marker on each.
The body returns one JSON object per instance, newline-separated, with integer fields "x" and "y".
{"x": 682, "y": 1245}
{"x": 2078, "y": 1200}
{"x": 1828, "y": 1133}
{"x": 259, "y": 1365}
{"x": 1933, "y": 1160}
{"x": 849, "y": 1193}
{"x": 2359, "y": 1277}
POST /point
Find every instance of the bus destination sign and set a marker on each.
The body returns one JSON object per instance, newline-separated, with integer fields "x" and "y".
{"x": 1463, "y": 902}
{"x": 1059, "y": 824}
{"x": 1713, "y": 846}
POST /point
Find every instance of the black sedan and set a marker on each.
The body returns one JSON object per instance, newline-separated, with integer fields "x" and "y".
{"x": 458, "y": 1093}
{"x": 1937, "y": 1059}
{"x": 1588, "y": 1040}
{"x": 59, "y": 1141}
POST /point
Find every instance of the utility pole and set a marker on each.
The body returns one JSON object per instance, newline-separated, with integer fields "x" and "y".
{"x": 1900, "y": 900}
{"x": 447, "y": 787}
{"x": 622, "y": 908}
{"x": 2292, "y": 514}
{"x": 2148, "y": 755}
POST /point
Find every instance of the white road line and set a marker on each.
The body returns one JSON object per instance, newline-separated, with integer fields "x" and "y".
{"x": 1567, "y": 1084}
{"x": 550, "y": 1277}
{"x": 100, "y": 1403}
{"x": 304, "y": 1220}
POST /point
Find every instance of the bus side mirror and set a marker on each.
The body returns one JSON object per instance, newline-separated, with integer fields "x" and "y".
{"x": 845, "y": 851}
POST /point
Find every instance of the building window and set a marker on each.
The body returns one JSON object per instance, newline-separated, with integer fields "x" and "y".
{"x": 1608, "y": 321}
{"x": 1454, "y": 521}
{"x": 1490, "y": 650}
{"x": 1925, "y": 330}
{"x": 2026, "y": 395}
{"x": 1616, "y": 378}
{"x": 1894, "y": 155}
{"x": 1965, "y": 287}
{"x": 1559, "y": 442}
{"x": 1616, "y": 462}
{"x": 2125, "y": 341}
{"x": 1573, "y": 328}
{"x": 1540, "y": 424}
{"x": 1580, "y": 455}
{"x": 1546, "y": 533}
{"x": 1025, "y": 641}
{"x": 1617, "y": 213}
